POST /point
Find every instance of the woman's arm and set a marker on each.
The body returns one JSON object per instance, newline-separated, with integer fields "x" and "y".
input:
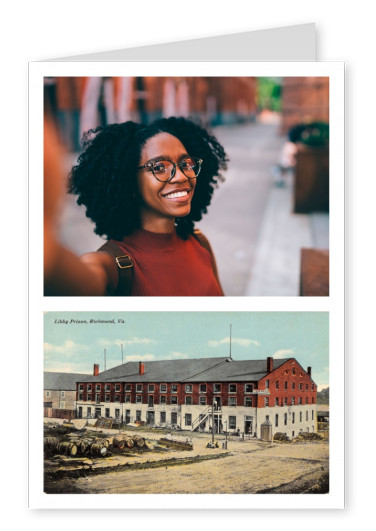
{"x": 64, "y": 272}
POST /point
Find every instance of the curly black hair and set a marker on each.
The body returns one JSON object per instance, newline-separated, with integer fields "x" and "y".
{"x": 105, "y": 176}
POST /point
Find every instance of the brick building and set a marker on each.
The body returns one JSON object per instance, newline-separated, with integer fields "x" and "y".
{"x": 194, "y": 394}
{"x": 59, "y": 396}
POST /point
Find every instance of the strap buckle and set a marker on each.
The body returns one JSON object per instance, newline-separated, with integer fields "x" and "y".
{"x": 126, "y": 256}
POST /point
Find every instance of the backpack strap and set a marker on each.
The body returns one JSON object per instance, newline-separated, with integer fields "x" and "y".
{"x": 204, "y": 242}
{"x": 125, "y": 268}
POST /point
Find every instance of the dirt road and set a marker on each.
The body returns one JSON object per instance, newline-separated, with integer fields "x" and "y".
{"x": 249, "y": 466}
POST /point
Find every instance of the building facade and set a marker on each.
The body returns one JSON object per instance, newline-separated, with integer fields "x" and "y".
{"x": 197, "y": 394}
{"x": 59, "y": 395}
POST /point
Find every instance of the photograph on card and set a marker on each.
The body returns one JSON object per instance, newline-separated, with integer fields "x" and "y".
{"x": 186, "y": 186}
{"x": 186, "y": 403}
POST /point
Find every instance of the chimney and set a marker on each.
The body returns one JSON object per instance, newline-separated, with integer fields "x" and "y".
{"x": 141, "y": 367}
{"x": 269, "y": 364}
{"x": 96, "y": 369}
{"x": 309, "y": 371}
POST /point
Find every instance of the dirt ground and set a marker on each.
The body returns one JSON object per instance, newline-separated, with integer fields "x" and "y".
{"x": 249, "y": 466}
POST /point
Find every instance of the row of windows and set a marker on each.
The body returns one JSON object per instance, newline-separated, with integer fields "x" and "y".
{"x": 276, "y": 418}
{"x": 285, "y": 385}
{"x": 48, "y": 394}
{"x": 217, "y": 388}
{"x": 284, "y": 401}
{"x": 232, "y": 400}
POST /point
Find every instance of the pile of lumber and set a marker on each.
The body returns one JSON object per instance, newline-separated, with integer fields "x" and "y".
{"x": 175, "y": 445}
{"x": 90, "y": 445}
{"x": 306, "y": 436}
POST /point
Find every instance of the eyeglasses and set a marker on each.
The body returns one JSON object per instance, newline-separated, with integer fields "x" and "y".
{"x": 165, "y": 170}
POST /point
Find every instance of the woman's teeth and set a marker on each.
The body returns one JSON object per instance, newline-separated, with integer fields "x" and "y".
{"x": 176, "y": 194}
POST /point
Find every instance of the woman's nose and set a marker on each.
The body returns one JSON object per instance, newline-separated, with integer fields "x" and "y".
{"x": 178, "y": 176}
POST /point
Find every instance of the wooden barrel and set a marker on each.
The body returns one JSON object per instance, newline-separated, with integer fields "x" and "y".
{"x": 68, "y": 448}
{"x": 98, "y": 449}
{"x": 139, "y": 441}
{"x": 118, "y": 442}
{"x": 129, "y": 442}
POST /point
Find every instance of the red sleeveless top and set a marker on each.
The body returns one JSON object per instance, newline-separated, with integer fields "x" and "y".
{"x": 166, "y": 265}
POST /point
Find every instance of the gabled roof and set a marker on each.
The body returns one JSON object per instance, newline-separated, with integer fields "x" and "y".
{"x": 187, "y": 370}
{"x": 61, "y": 381}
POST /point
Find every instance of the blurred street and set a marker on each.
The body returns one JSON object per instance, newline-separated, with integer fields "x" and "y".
{"x": 254, "y": 234}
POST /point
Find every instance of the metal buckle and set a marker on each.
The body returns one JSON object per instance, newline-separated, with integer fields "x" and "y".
{"x": 125, "y": 266}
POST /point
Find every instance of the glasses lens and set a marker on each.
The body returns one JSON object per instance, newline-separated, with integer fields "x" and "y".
{"x": 191, "y": 167}
{"x": 162, "y": 169}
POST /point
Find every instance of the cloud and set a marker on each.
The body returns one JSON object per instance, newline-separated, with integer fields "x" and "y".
{"x": 177, "y": 355}
{"x": 66, "y": 350}
{"x": 287, "y": 353}
{"x": 242, "y": 342}
{"x": 133, "y": 341}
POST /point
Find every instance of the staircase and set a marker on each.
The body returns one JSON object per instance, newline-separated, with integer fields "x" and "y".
{"x": 201, "y": 418}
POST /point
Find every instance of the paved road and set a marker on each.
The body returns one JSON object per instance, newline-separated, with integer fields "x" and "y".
{"x": 235, "y": 217}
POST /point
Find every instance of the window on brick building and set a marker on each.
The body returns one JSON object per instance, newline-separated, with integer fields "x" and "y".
{"x": 117, "y": 413}
{"x": 306, "y": 415}
{"x": 292, "y": 400}
{"x": 81, "y": 387}
{"x": 300, "y": 400}
{"x": 107, "y": 398}
{"x": 217, "y": 388}
{"x": 188, "y": 400}
{"x": 163, "y": 399}
{"x": 248, "y": 388}
{"x": 277, "y": 384}
{"x": 266, "y": 400}
{"x": 107, "y": 412}
{"x": 189, "y": 388}
{"x": 89, "y": 397}
{"x": 138, "y": 415}
{"x": 202, "y": 400}
{"x": 138, "y": 399}
{"x": 150, "y": 401}
{"x": 163, "y": 417}
{"x": 313, "y": 414}
{"x": 89, "y": 387}
{"x": 138, "y": 388}
{"x": 174, "y": 417}
{"x": 127, "y": 398}
{"x": 300, "y": 386}
{"x": 300, "y": 416}
{"x": 306, "y": 400}
{"x": 293, "y": 370}
{"x": 128, "y": 387}
{"x": 97, "y": 398}
{"x": 248, "y": 401}
{"x": 174, "y": 399}
{"x": 276, "y": 421}
{"x": 151, "y": 388}
{"x": 202, "y": 388}
{"x": 232, "y": 422}
{"x": 232, "y": 388}
{"x": 267, "y": 383}
{"x": 174, "y": 388}
{"x": 232, "y": 400}
{"x": 286, "y": 383}
{"x": 276, "y": 401}
{"x": 117, "y": 388}
{"x": 188, "y": 419}
{"x": 285, "y": 401}
{"x": 107, "y": 387}
{"x": 117, "y": 398}
{"x": 163, "y": 388}
{"x": 285, "y": 419}
{"x": 293, "y": 417}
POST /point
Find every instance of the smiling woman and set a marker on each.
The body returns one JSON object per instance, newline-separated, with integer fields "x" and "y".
{"x": 144, "y": 187}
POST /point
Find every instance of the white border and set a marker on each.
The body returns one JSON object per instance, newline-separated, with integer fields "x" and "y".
{"x": 333, "y": 304}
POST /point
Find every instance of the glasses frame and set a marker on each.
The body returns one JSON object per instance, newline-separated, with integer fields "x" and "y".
{"x": 150, "y": 166}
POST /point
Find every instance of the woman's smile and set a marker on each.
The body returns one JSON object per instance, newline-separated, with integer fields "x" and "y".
{"x": 163, "y": 201}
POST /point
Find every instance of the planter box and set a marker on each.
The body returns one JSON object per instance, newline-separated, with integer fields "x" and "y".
{"x": 311, "y": 185}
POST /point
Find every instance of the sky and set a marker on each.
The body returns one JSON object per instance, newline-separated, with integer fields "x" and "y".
{"x": 71, "y": 345}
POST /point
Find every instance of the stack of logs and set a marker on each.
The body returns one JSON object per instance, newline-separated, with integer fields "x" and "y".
{"x": 76, "y": 445}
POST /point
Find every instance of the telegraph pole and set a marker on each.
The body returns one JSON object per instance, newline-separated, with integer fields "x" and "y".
{"x": 213, "y": 422}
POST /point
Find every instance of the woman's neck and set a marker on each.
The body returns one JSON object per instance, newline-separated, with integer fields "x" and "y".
{"x": 160, "y": 225}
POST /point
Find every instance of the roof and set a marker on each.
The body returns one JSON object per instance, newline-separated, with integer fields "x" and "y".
{"x": 62, "y": 381}
{"x": 187, "y": 370}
